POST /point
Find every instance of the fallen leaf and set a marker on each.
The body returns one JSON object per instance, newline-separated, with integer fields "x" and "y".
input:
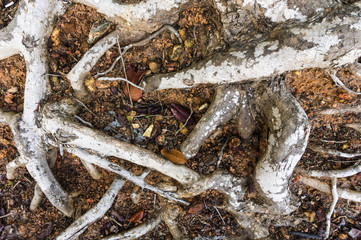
{"x": 196, "y": 208}
{"x": 184, "y": 130}
{"x": 137, "y": 216}
{"x": 148, "y": 132}
{"x": 134, "y": 77}
{"x": 181, "y": 113}
{"x": 55, "y": 37}
{"x": 174, "y": 156}
{"x": 354, "y": 233}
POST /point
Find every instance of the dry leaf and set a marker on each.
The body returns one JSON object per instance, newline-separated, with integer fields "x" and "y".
{"x": 137, "y": 216}
{"x": 135, "y": 78}
{"x": 148, "y": 132}
{"x": 181, "y": 113}
{"x": 174, "y": 156}
{"x": 196, "y": 208}
{"x": 55, "y": 37}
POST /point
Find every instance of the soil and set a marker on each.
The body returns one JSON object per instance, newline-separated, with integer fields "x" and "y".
{"x": 313, "y": 88}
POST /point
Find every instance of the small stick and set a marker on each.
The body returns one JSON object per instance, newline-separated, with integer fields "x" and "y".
{"x": 6, "y": 215}
{"x": 221, "y": 153}
{"x": 219, "y": 215}
{"x": 338, "y": 82}
{"x": 141, "y": 43}
{"x": 122, "y": 79}
{"x": 332, "y": 207}
{"x": 305, "y": 235}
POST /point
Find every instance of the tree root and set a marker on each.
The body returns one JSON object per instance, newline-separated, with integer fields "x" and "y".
{"x": 137, "y": 231}
{"x": 38, "y": 128}
{"x": 323, "y": 187}
{"x": 333, "y": 152}
{"x": 97, "y": 212}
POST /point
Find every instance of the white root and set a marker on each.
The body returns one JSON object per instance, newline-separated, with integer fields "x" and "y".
{"x": 106, "y": 164}
{"x": 92, "y": 170}
{"x": 81, "y": 70}
{"x": 338, "y": 82}
{"x": 38, "y": 195}
{"x": 341, "y": 110}
{"x": 13, "y": 165}
{"x": 95, "y": 213}
{"x": 78, "y": 136}
{"x": 268, "y": 57}
{"x": 323, "y": 187}
{"x": 137, "y": 231}
{"x": 9, "y": 45}
{"x": 339, "y": 173}
{"x": 356, "y": 126}
{"x": 332, "y": 207}
{"x": 169, "y": 214}
{"x": 6, "y": 118}
{"x": 222, "y": 109}
{"x": 288, "y": 131}
{"x": 136, "y": 20}
{"x": 333, "y": 152}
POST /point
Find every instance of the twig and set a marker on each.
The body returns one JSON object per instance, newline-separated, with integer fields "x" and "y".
{"x": 332, "y": 207}
{"x": 6, "y": 215}
{"x": 150, "y": 37}
{"x": 333, "y": 152}
{"x": 139, "y": 44}
{"x": 219, "y": 215}
{"x": 221, "y": 153}
{"x": 304, "y": 235}
{"x": 338, "y": 82}
{"x": 122, "y": 79}
{"x": 108, "y": 165}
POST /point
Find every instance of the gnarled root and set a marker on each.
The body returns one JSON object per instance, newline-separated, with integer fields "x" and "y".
{"x": 288, "y": 129}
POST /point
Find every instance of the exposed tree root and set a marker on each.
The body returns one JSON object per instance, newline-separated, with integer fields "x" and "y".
{"x": 340, "y": 83}
{"x": 333, "y": 152}
{"x": 332, "y": 207}
{"x": 97, "y": 212}
{"x": 323, "y": 187}
{"x": 315, "y": 43}
{"x": 340, "y": 110}
{"x": 137, "y": 231}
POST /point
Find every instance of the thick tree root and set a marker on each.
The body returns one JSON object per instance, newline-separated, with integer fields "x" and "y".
{"x": 332, "y": 41}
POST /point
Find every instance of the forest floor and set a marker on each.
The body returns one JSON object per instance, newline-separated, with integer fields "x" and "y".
{"x": 153, "y": 121}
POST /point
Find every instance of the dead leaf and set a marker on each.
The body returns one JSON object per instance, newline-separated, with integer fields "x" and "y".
{"x": 181, "y": 113}
{"x": 134, "y": 77}
{"x": 137, "y": 216}
{"x": 354, "y": 233}
{"x": 148, "y": 132}
{"x": 55, "y": 37}
{"x": 196, "y": 208}
{"x": 174, "y": 156}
